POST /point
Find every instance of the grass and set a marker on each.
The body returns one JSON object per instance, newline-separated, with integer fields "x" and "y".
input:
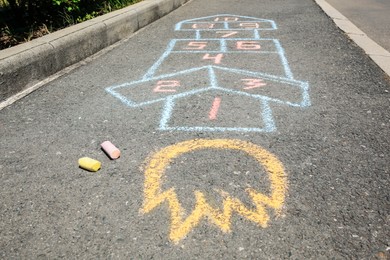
{"x": 3, "y": 3}
{"x": 34, "y": 18}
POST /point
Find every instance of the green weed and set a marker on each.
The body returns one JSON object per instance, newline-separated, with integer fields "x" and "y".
{"x": 24, "y": 20}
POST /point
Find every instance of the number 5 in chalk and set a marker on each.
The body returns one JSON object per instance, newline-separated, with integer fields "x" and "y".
{"x": 89, "y": 164}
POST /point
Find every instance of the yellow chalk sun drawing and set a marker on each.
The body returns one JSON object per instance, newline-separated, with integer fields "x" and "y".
{"x": 181, "y": 225}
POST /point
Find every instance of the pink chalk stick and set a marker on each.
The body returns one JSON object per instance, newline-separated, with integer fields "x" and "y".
{"x": 111, "y": 150}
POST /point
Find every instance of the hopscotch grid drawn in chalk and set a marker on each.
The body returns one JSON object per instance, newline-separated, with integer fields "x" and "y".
{"x": 251, "y": 19}
{"x": 197, "y": 35}
{"x": 222, "y": 29}
{"x": 228, "y": 33}
{"x": 251, "y": 52}
{"x": 303, "y": 86}
{"x": 279, "y": 50}
{"x": 256, "y": 34}
{"x": 226, "y": 28}
{"x": 155, "y": 66}
{"x": 264, "y": 111}
{"x": 283, "y": 59}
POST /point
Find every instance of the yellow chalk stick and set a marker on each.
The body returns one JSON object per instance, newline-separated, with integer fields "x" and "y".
{"x": 89, "y": 164}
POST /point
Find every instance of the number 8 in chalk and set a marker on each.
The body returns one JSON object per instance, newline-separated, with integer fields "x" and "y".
{"x": 89, "y": 164}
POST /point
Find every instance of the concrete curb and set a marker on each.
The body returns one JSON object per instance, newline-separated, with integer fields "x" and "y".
{"x": 25, "y": 65}
{"x": 378, "y": 54}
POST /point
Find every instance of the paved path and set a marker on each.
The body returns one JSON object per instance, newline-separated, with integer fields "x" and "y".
{"x": 247, "y": 131}
{"x": 371, "y": 16}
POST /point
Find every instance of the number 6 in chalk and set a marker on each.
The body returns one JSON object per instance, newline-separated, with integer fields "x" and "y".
{"x": 89, "y": 164}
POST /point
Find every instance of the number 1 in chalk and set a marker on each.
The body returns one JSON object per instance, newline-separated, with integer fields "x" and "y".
{"x": 89, "y": 164}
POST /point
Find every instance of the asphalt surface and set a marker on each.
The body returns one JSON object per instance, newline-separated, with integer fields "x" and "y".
{"x": 371, "y": 16}
{"x": 296, "y": 148}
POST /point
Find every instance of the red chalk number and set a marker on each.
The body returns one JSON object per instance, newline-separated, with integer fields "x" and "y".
{"x": 227, "y": 34}
{"x": 196, "y": 46}
{"x": 247, "y": 45}
{"x": 217, "y": 59}
{"x": 253, "y": 83}
{"x": 227, "y": 19}
{"x": 166, "y": 86}
{"x": 249, "y": 25}
{"x": 203, "y": 25}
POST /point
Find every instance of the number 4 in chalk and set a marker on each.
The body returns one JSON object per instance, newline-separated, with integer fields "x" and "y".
{"x": 217, "y": 59}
